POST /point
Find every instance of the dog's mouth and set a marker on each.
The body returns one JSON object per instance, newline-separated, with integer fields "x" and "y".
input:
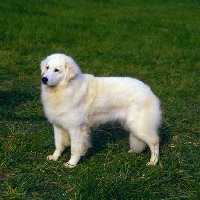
{"x": 44, "y": 83}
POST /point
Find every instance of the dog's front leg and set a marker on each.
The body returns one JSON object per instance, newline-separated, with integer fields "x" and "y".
{"x": 80, "y": 142}
{"x": 62, "y": 139}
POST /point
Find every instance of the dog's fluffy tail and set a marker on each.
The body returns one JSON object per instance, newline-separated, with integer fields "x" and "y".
{"x": 136, "y": 145}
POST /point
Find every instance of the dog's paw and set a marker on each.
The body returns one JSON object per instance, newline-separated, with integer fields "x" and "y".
{"x": 130, "y": 151}
{"x": 51, "y": 157}
{"x": 68, "y": 165}
{"x": 151, "y": 163}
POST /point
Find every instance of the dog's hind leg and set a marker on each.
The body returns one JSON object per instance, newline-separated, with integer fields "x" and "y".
{"x": 143, "y": 128}
{"x": 80, "y": 142}
{"x": 151, "y": 138}
{"x": 154, "y": 154}
{"x": 140, "y": 135}
{"x": 62, "y": 139}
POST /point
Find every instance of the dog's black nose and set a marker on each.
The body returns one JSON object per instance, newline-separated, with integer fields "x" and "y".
{"x": 44, "y": 80}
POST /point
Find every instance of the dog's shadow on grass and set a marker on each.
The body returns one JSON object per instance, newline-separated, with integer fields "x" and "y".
{"x": 102, "y": 135}
{"x": 12, "y": 100}
{"x": 114, "y": 132}
{"x": 165, "y": 135}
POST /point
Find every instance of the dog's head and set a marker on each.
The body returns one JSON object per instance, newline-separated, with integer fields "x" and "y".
{"x": 58, "y": 68}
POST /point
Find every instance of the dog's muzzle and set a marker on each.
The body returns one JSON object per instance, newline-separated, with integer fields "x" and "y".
{"x": 44, "y": 80}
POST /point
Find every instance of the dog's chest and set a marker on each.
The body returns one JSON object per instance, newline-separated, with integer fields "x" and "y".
{"x": 55, "y": 106}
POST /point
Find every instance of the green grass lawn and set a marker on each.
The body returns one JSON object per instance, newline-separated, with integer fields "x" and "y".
{"x": 155, "y": 41}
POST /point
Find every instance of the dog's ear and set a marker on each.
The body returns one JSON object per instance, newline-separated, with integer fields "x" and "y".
{"x": 42, "y": 66}
{"x": 71, "y": 69}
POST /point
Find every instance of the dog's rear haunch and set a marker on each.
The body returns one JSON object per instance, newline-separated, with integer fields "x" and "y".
{"x": 73, "y": 102}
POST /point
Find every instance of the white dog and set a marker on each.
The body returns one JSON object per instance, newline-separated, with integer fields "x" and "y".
{"x": 73, "y": 102}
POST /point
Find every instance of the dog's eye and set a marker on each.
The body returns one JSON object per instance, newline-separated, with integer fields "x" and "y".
{"x": 47, "y": 67}
{"x": 56, "y": 70}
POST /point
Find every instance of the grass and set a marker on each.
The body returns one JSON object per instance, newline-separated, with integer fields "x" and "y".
{"x": 155, "y": 41}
